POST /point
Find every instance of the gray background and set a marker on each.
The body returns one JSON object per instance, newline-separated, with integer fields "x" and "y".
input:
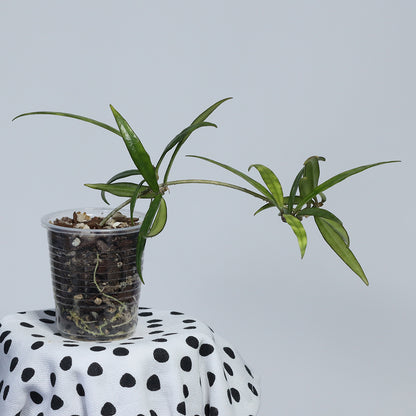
{"x": 332, "y": 78}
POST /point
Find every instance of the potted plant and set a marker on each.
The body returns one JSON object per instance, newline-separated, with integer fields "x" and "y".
{"x": 96, "y": 256}
{"x": 95, "y": 280}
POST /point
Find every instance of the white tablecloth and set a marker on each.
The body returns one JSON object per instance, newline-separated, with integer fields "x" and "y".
{"x": 172, "y": 365}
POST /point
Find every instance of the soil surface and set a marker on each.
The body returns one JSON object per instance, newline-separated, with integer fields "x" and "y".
{"x": 82, "y": 220}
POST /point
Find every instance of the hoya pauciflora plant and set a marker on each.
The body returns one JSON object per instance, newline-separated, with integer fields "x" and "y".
{"x": 305, "y": 199}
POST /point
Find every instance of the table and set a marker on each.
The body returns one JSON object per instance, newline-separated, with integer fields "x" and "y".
{"x": 172, "y": 365}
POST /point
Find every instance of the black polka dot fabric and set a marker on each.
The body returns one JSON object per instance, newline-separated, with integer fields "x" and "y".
{"x": 172, "y": 365}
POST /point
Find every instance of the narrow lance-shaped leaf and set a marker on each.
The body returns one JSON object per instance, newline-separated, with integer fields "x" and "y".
{"x": 305, "y": 186}
{"x": 181, "y": 137}
{"x": 82, "y": 118}
{"x": 286, "y": 199}
{"x": 206, "y": 113}
{"x": 331, "y": 220}
{"x": 294, "y": 189}
{"x": 272, "y": 183}
{"x": 299, "y": 231}
{"x": 312, "y": 169}
{"x": 124, "y": 174}
{"x": 264, "y": 207}
{"x": 319, "y": 212}
{"x": 137, "y": 152}
{"x": 144, "y": 230}
{"x": 133, "y": 200}
{"x": 334, "y": 180}
{"x": 123, "y": 189}
{"x": 160, "y": 220}
{"x": 251, "y": 181}
{"x": 310, "y": 176}
{"x": 141, "y": 244}
{"x": 338, "y": 245}
{"x": 118, "y": 176}
{"x": 201, "y": 118}
{"x": 339, "y": 229}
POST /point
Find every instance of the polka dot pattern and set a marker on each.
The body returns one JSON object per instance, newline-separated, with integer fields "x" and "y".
{"x": 181, "y": 408}
{"x": 120, "y": 351}
{"x": 153, "y": 383}
{"x": 228, "y": 369}
{"x": 97, "y": 348}
{"x": 7, "y": 346}
{"x": 211, "y": 378}
{"x": 57, "y": 376}
{"x": 252, "y": 389}
{"x": 13, "y": 364}
{"x": 80, "y": 390}
{"x": 3, "y": 336}
{"x": 206, "y": 349}
{"x": 127, "y": 380}
{"x": 36, "y": 397}
{"x": 186, "y": 364}
{"x": 56, "y": 402}
{"x": 192, "y": 342}
{"x": 229, "y": 352}
{"x": 6, "y": 392}
{"x": 94, "y": 369}
{"x": 160, "y": 355}
{"x": 66, "y": 363}
{"x": 27, "y": 374}
{"x": 37, "y": 345}
{"x": 108, "y": 409}
{"x": 235, "y": 394}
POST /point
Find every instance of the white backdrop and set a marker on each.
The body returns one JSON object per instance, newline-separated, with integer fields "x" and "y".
{"x": 331, "y": 78}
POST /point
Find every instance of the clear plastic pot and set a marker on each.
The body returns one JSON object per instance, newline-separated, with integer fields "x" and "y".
{"x": 94, "y": 276}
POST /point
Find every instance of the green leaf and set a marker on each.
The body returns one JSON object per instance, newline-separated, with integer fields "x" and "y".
{"x": 124, "y": 174}
{"x": 319, "y": 212}
{"x": 339, "y": 229}
{"x": 293, "y": 190}
{"x": 305, "y": 186}
{"x": 133, "y": 200}
{"x": 299, "y": 231}
{"x": 341, "y": 249}
{"x": 144, "y": 231}
{"x": 200, "y": 119}
{"x": 205, "y": 114}
{"x": 160, "y": 220}
{"x": 286, "y": 199}
{"x": 120, "y": 175}
{"x": 251, "y": 181}
{"x": 264, "y": 207}
{"x": 137, "y": 152}
{"x": 330, "y": 219}
{"x": 86, "y": 119}
{"x": 272, "y": 183}
{"x": 141, "y": 244}
{"x": 312, "y": 169}
{"x": 123, "y": 189}
{"x": 181, "y": 138}
{"x": 334, "y": 180}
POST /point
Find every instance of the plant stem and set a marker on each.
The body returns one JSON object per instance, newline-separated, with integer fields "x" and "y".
{"x": 188, "y": 181}
{"x": 218, "y": 183}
